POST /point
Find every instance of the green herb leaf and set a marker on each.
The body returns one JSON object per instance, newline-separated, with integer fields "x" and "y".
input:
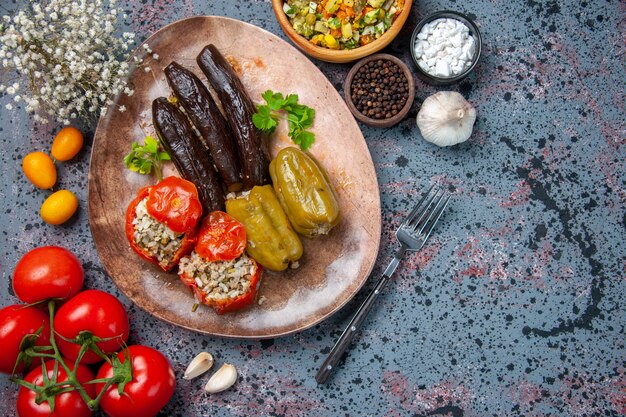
{"x": 264, "y": 120}
{"x": 305, "y": 140}
{"x": 129, "y": 158}
{"x": 151, "y": 144}
{"x": 145, "y": 167}
{"x": 275, "y": 101}
{"x": 290, "y": 100}
{"x": 146, "y": 158}
{"x": 299, "y": 116}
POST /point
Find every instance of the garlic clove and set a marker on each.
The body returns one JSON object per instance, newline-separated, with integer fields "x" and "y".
{"x": 446, "y": 118}
{"x": 223, "y": 379}
{"x": 199, "y": 365}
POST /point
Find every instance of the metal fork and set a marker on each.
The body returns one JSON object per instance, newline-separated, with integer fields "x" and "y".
{"x": 412, "y": 235}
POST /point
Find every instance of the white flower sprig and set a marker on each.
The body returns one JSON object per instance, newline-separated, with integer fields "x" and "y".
{"x": 67, "y": 58}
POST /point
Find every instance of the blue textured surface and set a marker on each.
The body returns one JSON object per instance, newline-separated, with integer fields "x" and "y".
{"x": 516, "y": 306}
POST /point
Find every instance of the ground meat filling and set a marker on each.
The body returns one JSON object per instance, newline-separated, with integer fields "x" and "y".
{"x": 219, "y": 280}
{"x": 158, "y": 240}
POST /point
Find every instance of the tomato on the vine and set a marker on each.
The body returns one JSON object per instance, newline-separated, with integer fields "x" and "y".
{"x": 96, "y": 312}
{"x": 47, "y": 272}
{"x": 17, "y": 321}
{"x": 152, "y": 385}
{"x": 67, "y": 404}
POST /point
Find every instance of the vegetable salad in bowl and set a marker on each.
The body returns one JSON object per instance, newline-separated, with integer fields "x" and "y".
{"x": 342, "y": 24}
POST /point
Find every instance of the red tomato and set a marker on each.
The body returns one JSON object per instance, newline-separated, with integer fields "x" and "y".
{"x": 149, "y": 391}
{"x": 47, "y": 272}
{"x": 221, "y": 237}
{"x": 97, "y": 312}
{"x": 68, "y": 404}
{"x": 175, "y": 203}
{"x": 16, "y": 321}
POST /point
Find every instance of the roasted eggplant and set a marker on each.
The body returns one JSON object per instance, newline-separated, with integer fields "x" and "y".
{"x": 207, "y": 118}
{"x": 187, "y": 152}
{"x": 239, "y": 109}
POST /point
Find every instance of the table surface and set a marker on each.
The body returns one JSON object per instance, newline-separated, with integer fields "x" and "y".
{"x": 515, "y": 307}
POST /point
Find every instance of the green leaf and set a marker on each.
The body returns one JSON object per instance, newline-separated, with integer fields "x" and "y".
{"x": 145, "y": 167}
{"x": 290, "y": 100}
{"x": 297, "y": 110}
{"x": 144, "y": 159}
{"x": 294, "y": 130}
{"x": 128, "y": 159}
{"x": 299, "y": 117}
{"x": 294, "y": 119}
{"x": 151, "y": 145}
{"x": 267, "y": 95}
{"x": 305, "y": 140}
{"x": 135, "y": 165}
{"x": 307, "y": 118}
{"x": 264, "y": 120}
{"x": 275, "y": 101}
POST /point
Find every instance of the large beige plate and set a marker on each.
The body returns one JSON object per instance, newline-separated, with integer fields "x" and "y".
{"x": 332, "y": 269}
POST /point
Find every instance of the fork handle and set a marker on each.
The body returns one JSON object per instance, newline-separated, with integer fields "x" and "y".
{"x": 348, "y": 334}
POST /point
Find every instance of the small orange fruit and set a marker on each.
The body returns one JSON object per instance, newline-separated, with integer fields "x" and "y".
{"x": 67, "y": 143}
{"x": 59, "y": 207}
{"x": 40, "y": 170}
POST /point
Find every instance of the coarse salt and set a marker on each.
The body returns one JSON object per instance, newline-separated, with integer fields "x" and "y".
{"x": 444, "y": 47}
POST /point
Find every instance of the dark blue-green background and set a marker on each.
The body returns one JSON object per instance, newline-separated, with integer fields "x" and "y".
{"x": 516, "y": 305}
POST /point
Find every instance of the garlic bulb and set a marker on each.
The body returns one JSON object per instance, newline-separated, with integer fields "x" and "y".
{"x": 446, "y": 118}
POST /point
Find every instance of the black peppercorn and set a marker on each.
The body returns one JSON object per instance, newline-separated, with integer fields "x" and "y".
{"x": 379, "y": 89}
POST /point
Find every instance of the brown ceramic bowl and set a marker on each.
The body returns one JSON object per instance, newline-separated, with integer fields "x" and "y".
{"x": 379, "y": 122}
{"x": 344, "y": 55}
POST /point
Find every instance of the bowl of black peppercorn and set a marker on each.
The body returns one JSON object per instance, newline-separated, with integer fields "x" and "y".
{"x": 379, "y": 90}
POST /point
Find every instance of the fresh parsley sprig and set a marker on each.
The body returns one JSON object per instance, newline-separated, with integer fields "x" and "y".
{"x": 299, "y": 117}
{"x": 146, "y": 158}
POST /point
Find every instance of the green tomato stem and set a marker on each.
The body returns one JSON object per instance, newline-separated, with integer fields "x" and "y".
{"x": 51, "y": 388}
{"x": 106, "y": 386}
{"x": 95, "y": 349}
{"x": 34, "y": 354}
{"x": 71, "y": 375}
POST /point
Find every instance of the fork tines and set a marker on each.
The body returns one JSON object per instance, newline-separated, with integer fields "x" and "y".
{"x": 427, "y": 212}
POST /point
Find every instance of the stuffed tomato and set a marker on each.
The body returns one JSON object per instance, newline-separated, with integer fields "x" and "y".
{"x": 218, "y": 271}
{"x": 162, "y": 221}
